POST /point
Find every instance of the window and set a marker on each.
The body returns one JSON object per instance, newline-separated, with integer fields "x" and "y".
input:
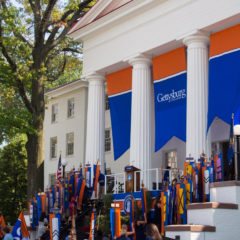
{"x": 106, "y": 102}
{"x": 70, "y": 144}
{"x": 171, "y": 159}
{"x": 52, "y": 179}
{"x": 70, "y": 112}
{"x": 53, "y": 147}
{"x": 107, "y": 141}
{"x": 54, "y": 113}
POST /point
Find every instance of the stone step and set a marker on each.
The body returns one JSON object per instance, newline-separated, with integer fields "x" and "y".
{"x": 190, "y": 228}
{"x": 189, "y": 232}
{"x": 221, "y": 215}
{"x": 194, "y": 206}
{"x": 228, "y": 192}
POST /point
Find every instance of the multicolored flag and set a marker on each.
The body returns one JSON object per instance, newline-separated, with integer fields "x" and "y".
{"x": 20, "y": 231}
{"x": 55, "y": 223}
{"x": 115, "y": 221}
{"x": 59, "y": 170}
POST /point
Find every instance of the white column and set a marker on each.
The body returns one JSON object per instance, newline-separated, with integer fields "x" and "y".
{"x": 197, "y": 93}
{"x": 141, "y": 119}
{"x": 95, "y": 139}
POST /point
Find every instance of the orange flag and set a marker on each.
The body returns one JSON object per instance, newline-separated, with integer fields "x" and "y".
{"x": 2, "y": 222}
{"x": 81, "y": 194}
{"x": 96, "y": 179}
{"x": 24, "y": 229}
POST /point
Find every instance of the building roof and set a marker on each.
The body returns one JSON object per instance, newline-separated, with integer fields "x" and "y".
{"x": 96, "y": 12}
{"x": 67, "y": 87}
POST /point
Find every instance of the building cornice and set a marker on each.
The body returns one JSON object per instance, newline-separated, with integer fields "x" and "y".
{"x": 111, "y": 18}
{"x": 66, "y": 88}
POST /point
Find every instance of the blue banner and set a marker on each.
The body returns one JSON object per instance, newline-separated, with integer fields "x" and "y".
{"x": 170, "y": 109}
{"x": 120, "y": 108}
{"x": 224, "y": 86}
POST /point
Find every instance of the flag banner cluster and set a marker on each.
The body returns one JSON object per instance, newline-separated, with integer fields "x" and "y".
{"x": 192, "y": 187}
{"x": 119, "y": 87}
{"x": 170, "y": 94}
{"x": 57, "y": 199}
{"x": 115, "y": 221}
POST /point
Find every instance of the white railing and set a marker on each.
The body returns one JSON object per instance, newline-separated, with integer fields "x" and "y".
{"x": 115, "y": 183}
{"x": 153, "y": 179}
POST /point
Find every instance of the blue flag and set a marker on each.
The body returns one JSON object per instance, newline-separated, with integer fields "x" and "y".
{"x": 16, "y": 232}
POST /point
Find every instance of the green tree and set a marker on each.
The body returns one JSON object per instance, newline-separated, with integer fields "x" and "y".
{"x": 34, "y": 54}
{"x": 13, "y": 180}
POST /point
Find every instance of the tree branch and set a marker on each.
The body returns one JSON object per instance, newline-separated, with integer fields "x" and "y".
{"x": 68, "y": 49}
{"x": 54, "y": 78}
{"x": 73, "y": 19}
{"x": 13, "y": 67}
{"x": 15, "y": 32}
{"x": 46, "y": 15}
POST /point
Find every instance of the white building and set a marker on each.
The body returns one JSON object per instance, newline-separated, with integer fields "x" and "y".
{"x": 65, "y": 130}
{"x": 152, "y": 53}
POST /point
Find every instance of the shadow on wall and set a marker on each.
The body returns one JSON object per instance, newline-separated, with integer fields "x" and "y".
{"x": 174, "y": 144}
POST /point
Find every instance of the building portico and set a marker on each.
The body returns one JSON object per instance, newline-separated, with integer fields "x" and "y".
{"x": 145, "y": 30}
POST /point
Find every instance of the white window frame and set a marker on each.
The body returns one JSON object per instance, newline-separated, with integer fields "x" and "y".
{"x": 51, "y": 147}
{"x": 70, "y": 111}
{"x": 107, "y": 106}
{"x": 51, "y": 176}
{"x": 171, "y": 163}
{"x": 67, "y": 137}
{"x": 54, "y": 114}
{"x": 108, "y": 141}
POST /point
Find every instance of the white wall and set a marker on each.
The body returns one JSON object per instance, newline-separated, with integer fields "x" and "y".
{"x": 151, "y": 29}
{"x": 219, "y": 130}
{"x": 64, "y": 125}
{"x": 173, "y": 144}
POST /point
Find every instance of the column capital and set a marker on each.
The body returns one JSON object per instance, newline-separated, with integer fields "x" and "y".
{"x": 196, "y": 38}
{"x": 140, "y": 58}
{"x": 95, "y": 76}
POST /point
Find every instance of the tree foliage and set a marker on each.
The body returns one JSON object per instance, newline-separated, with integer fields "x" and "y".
{"x": 34, "y": 55}
{"x": 13, "y": 180}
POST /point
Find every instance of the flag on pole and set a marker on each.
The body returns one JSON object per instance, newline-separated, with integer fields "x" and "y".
{"x": 55, "y": 224}
{"x": 144, "y": 203}
{"x": 115, "y": 221}
{"x": 132, "y": 226}
{"x": 2, "y": 225}
{"x": 2, "y": 221}
{"x": 59, "y": 170}
{"x": 92, "y": 227}
{"x": 96, "y": 176}
{"x": 230, "y": 153}
{"x": 20, "y": 229}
